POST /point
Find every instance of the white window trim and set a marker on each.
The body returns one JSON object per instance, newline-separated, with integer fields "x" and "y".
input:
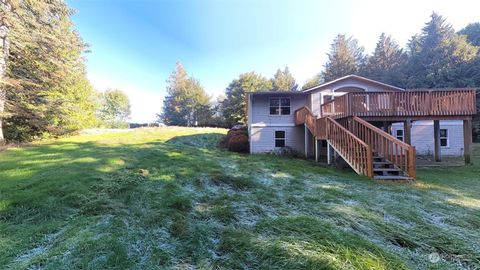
{"x": 403, "y": 134}
{"x": 275, "y": 138}
{"x": 279, "y": 106}
{"x": 447, "y": 138}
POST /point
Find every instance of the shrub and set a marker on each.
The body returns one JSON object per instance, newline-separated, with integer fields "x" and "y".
{"x": 238, "y": 143}
{"x": 236, "y": 140}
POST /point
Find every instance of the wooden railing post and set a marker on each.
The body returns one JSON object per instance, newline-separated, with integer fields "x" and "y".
{"x": 412, "y": 162}
{"x": 349, "y": 104}
{"x": 391, "y": 97}
{"x": 369, "y": 164}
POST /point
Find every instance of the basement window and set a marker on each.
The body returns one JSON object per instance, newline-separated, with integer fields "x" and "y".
{"x": 279, "y": 106}
{"x": 279, "y": 138}
{"x": 399, "y": 134}
{"x": 444, "y": 137}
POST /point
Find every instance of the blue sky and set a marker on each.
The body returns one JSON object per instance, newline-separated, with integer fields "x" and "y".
{"x": 135, "y": 43}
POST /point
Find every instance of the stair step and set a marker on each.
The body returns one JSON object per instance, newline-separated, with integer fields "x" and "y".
{"x": 382, "y": 163}
{"x": 392, "y": 177}
{"x": 387, "y": 169}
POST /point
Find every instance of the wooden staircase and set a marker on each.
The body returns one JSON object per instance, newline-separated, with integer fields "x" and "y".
{"x": 369, "y": 150}
{"x": 386, "y": 170}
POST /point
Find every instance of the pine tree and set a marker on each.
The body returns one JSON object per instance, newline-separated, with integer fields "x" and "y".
{"x": 186, "y": 103}
{"x": 387, "y": 62}
{"x": 283, "y": 81}
{"x": 233, "y": 107}
{"x": 437, "y": 56}
{"x": 345, "y": 58}
{"x": 45, "y": 64}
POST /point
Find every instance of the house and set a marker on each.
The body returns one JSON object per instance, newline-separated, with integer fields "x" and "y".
{"x": 377, "y": 128}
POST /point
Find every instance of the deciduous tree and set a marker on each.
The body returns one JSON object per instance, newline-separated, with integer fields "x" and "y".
{"x": 186, "y": 103}
{"x": 314, "y": 81}
{"x": 234, "y": 106}
{"x": 114, "y": 108}
{"x": 472, "y": 31}
{"x": 4, "y": 52}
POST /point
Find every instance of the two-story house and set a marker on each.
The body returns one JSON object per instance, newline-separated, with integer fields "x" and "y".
{"x": 375, "y": 127}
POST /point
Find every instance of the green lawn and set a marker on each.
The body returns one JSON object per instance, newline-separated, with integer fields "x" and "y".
{"x": 168, "y": 198}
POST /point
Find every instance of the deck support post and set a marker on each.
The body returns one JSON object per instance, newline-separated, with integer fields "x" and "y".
{"x": 306, "y": 140}
{"x": 436, "y": 139}
{"x": 467, "y": 140}
{"x": 316, "y": 149}
{"x": 329, "y": 153}
{"x": 407, "y": 131}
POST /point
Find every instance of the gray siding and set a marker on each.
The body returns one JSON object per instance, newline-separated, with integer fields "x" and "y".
{"x": 261, "y": 111}
{"x": 262, "y": 139}
{"x": 263, "y": 125}
{"x": 422, "y": 137}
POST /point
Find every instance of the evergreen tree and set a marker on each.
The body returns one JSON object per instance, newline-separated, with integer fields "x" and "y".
{"x": 283, "y": 81}
{"x": 186, "y": 103}
{"x": 234, "y": 105}
{"x": 438, "y": 55}
{"x": 472, "y": 31}
{"x": 386, "y": 63}
{"x": 345, "y": 58}
{"x": 45, "y": 68}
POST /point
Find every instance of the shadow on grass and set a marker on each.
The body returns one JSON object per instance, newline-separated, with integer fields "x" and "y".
{"x": 70, "y": 202}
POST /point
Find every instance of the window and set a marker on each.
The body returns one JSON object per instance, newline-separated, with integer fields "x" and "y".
{"x": 280, "y": 106}
{"x": 444, "y": 137}
{"x": 279, "y": 138}
{"x": 399, "y": 134}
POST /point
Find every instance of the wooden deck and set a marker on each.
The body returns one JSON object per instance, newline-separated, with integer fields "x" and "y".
{"x": 366, "y": 148}
{"x": 416, "y": 105}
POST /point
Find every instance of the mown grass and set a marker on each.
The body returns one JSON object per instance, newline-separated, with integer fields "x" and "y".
{"x": 168, "y": 198}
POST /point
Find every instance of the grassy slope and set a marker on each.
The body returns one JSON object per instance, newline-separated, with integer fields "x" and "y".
{"x": 83, "y": 202}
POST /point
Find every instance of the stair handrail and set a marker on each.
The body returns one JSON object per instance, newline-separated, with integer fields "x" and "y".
{"x": 305, "y": 116}
{"x": 353, "y": 150}
{"x": 392, "y": 149}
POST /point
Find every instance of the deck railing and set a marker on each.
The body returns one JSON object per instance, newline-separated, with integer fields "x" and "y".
{"x": 385, "y": 145}
{"x": 408, "y": 103}
{"x": 305, "y": 116}
{"x": 353, "y": 150}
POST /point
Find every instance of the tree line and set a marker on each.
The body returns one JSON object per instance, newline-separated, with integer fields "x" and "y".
{"x": 44, "y": 89}
{"x": 188, "y": 104}
{"x": 436, "y": 57}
